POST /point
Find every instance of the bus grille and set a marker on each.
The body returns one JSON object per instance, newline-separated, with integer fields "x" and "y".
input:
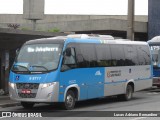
{"x": 31, "y": 86}
{"x": 31, "y": 95}
{"x": 27, "y": 85}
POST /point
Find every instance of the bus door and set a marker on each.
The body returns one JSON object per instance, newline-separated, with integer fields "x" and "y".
{"x": 71, "y": 75}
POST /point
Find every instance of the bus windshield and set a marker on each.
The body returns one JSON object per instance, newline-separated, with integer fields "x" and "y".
{"x": 155, "y": 55}
{"x": 38, "y": 57}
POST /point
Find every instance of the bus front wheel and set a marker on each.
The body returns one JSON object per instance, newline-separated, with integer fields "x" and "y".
{"x": 69, "y": 102}
{"x": 27, "y": 105}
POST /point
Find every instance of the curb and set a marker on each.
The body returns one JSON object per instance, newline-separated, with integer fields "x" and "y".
{"x": 9, "y": 104}
{"x": 4, "y": 97}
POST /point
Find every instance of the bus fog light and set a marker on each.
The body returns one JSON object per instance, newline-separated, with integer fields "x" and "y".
{"x": 47, "y": 85}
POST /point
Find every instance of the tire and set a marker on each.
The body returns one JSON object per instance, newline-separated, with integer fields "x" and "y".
{"x": 27, "y": 105}
{"x": 128, "y": 95}
{"x": 69, "y": 102}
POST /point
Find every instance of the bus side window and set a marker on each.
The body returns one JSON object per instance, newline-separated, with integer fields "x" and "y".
{"x": 69, "y": 57}
{"x": 80, "y": 61}
{"x": 86, "y": 56}
{"x": 131, "y": 55}
{"x": 69, "y": 60}
{"x": 117, "y": 53}
{"x": 103, "y": 55}
{"x": 143, "y": 55}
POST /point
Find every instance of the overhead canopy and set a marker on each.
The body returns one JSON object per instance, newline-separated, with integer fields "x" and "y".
{"x": 13, "y": 38}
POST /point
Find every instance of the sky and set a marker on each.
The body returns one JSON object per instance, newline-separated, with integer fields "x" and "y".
{"x": 83, "y": 7}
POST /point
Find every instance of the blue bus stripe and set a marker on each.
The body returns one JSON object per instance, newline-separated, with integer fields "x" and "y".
{"x": 121, "y": 81}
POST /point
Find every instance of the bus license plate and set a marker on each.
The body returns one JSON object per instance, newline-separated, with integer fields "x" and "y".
{"x": 26, "y": 91}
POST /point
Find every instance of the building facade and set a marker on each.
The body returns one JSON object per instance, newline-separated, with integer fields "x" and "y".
{"x": 10, "y": 40}
{"x": 153, "y": 18}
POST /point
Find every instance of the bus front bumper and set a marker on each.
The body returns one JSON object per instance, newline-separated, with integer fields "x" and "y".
{"x": 44, "y": 93}
{"x": 156, "y": 81}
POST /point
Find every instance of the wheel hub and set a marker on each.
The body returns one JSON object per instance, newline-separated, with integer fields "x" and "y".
{"x": 69, "y": 100}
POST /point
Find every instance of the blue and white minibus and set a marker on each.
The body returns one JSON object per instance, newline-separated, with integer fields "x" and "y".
{"x": 72, "y": 68}
{"x": 154, "y": 44}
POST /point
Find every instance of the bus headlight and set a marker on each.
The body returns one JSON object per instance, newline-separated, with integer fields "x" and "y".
{"x": 12, "y": 85}
{"x": 47, "y": 85}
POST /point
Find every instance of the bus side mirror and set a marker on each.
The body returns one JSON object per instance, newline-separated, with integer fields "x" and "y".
{"x": 68, "y": 52}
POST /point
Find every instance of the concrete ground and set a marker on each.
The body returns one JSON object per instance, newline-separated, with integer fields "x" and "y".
{"x": 143, "y": 101}
{"x": 5, "y": 101}
{"x": 146, "y": 96}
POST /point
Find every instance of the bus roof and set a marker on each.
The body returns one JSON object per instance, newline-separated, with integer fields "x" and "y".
{"x": 154, "y": 41}
{"x": 47, "y": 40}
{"x": 69, "y": 39}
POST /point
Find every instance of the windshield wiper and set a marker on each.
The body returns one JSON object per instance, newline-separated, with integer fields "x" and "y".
{"x": 40, "y": 67}
{"x": 22, "y": 67}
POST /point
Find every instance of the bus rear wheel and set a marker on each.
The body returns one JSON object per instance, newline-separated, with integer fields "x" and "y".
{"x": 27, "y": 105}
{"x": 69, "y": 102}
{"x": 128, "y": 95}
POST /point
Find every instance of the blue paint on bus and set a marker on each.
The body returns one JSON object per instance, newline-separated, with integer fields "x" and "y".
{"x": 96, "y": 74}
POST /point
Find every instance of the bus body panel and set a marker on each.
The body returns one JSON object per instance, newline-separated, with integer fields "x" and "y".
{"x": 89, "y": 80}
{"x": 35, "y": 83}
{"x": 42, "y": 95}
{"x": 156, "y": 73}
{"x": 34, "y": 78}
{"x": 156, "y": 76}
{"x": 116, "y": 78}
{"x": 92, "y": 82}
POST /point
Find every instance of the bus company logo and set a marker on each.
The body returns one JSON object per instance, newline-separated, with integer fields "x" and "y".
{"x": 108, "y": 74}
{"x": 17, "y": 78}
{"x": 114, "y": 73}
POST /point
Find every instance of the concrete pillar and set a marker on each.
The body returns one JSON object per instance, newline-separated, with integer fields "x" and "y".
{"x": 33, "y": 10}
{"x": 1, "y": 79}
{"x": 130, "y": 29}
{"x": 4, "y": 70}
{"x": 34, "y": 24}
